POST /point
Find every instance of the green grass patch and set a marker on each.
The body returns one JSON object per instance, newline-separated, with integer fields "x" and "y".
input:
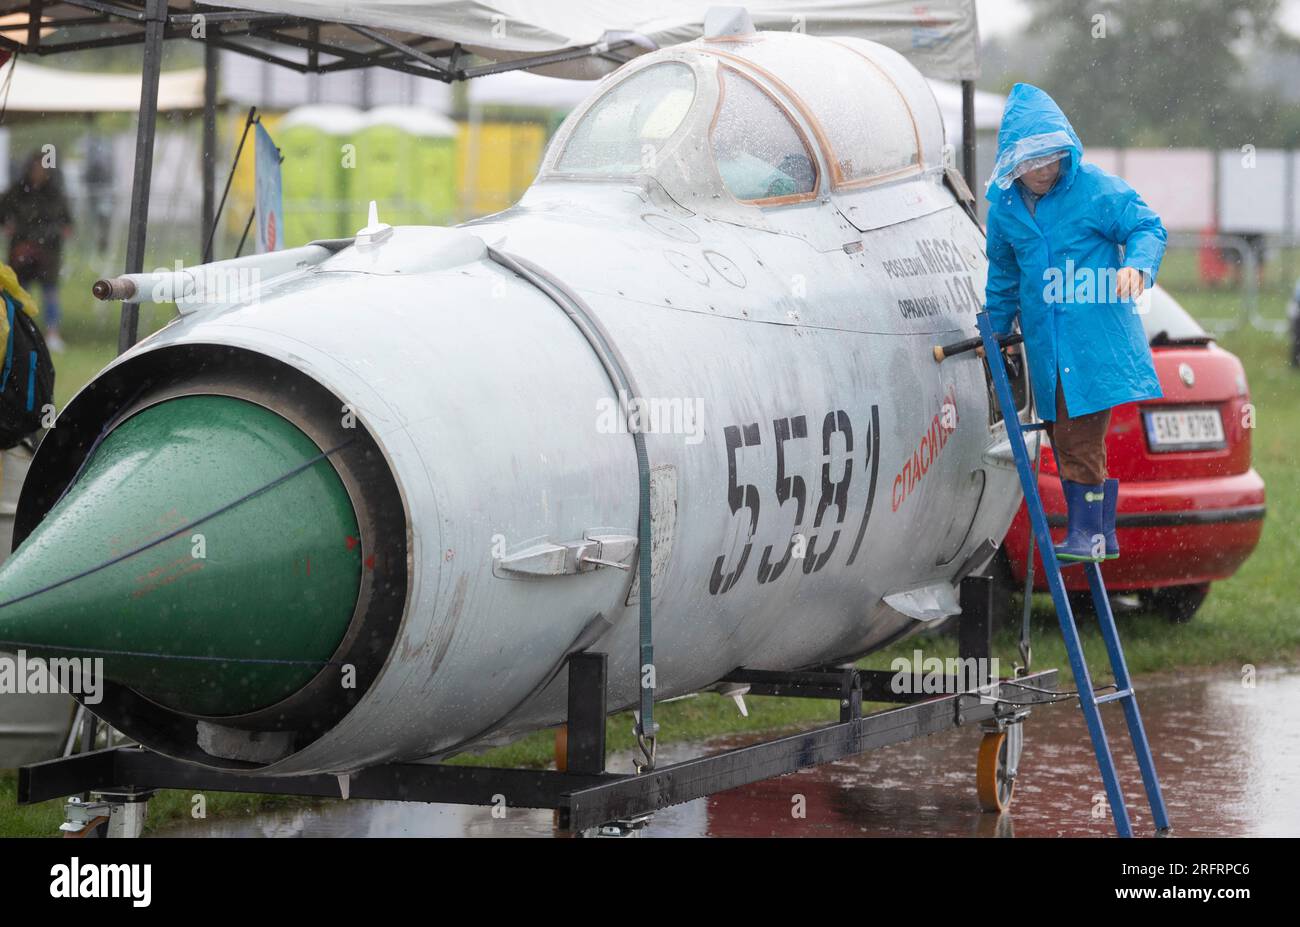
{"x": 77, "y": 366}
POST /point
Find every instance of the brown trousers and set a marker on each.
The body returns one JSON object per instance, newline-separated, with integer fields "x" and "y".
{"x": 1079, "y": 443}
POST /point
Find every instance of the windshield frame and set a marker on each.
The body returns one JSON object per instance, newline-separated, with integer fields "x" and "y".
{"x": 579, "y": 118}
{"x": 810, "y": 147}
{"x": 825, "y": 149}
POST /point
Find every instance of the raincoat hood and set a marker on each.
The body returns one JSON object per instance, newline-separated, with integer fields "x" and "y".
{"x": 1032, "y": 126}
{"x": 1055, "y": 267}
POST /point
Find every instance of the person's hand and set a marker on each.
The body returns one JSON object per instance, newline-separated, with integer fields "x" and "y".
{"x": 1129, "y": 283}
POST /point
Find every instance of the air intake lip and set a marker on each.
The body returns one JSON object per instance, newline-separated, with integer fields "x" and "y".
{"x": 157, "y": 377}
{"x": 208, "y": 554}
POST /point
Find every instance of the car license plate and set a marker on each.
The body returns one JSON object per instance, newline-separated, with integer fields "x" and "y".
{"x": 1185, "y": 429}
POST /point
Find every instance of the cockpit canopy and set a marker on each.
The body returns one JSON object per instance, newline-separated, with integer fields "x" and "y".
{"x": 765, "y": 119}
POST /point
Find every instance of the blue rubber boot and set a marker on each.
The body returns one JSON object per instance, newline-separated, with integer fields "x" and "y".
{"x": 1108, "y": 506}
{"x": 1084, "y": 540}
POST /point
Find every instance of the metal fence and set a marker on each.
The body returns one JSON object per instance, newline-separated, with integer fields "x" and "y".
{"x": 1252, "y": 275}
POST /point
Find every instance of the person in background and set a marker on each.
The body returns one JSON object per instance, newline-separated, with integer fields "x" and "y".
{"x": 97, "y": 179}
{"x": 1056, "y": 227}
{"x": 35, "y": 215}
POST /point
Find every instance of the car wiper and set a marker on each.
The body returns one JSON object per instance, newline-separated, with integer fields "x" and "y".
{"x": 1162, "y": 338}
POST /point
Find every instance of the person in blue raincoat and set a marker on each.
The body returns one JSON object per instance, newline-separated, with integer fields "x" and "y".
{"x": 1070, "y": 249}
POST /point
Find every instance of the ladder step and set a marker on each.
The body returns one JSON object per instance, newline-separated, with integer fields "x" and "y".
{"x": 1113, "y": 697}
{"x": 1034, "y": 426}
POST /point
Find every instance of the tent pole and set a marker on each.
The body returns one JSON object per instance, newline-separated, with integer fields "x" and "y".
{"x": 34, "y": 26}
{"x": 968, "y": 132}
{"x": 146, "y": 126}
{"x": 210, "y": 65}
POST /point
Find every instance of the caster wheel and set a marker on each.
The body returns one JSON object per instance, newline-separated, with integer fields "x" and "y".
{"x": 992, "y": 784}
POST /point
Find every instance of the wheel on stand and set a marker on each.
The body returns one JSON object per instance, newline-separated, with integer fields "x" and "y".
{"x": 994, "y": 783}
{"x": 95, "y": 827}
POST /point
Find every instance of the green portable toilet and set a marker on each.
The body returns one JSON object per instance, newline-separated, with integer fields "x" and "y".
{"x": 406, "y": 162}
{"x": 318, "y": 170}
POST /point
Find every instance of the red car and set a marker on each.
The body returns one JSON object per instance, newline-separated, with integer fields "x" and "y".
{"x": 1191, "y": 507}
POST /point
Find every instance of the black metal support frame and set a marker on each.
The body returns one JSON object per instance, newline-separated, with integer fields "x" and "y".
{"x": 586, "y": 795}
{"x": 968, "y": 132}
{"x": 975, "y": 628}
{"x": 137, "y": 228}
{"x": 585, "y": 743}
{"x": 210, "y": 76}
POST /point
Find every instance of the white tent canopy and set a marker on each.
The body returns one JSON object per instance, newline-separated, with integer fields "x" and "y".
{"x": 940, "y": 36}
{"x": 37, "y": 89}
{"x": 584, "y": 38}
{"x": 988, "y": 109}
{"x": 520, "y": 88}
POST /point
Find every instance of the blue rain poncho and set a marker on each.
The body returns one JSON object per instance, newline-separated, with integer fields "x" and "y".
{"x": 1056, "y": 269}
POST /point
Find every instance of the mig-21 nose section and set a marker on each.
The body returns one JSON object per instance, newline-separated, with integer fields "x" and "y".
{"x": 208, "y": 553}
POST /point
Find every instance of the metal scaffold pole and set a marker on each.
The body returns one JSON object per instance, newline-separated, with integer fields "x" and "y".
{"x": 210, "y": 77}
{"x": 968, "y": 132}
{"x": 146, "y": 126}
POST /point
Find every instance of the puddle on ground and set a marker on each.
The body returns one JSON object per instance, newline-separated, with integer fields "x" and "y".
{"x": 1228, "y": 757}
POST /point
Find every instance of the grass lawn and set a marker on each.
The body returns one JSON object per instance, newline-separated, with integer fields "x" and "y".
{"x": 75, "y": 367}
{"x": 1252, "y": 618}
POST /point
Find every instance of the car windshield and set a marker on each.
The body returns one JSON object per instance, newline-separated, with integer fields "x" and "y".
{"x": 1166, "y": 321}
{"x": 624, "y": 130}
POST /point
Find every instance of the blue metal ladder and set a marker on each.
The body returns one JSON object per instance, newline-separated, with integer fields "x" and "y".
{"x": 1088, "y": 699}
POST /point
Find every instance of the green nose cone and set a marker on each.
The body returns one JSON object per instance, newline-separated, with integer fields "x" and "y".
{"x": 231, "y": 614}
